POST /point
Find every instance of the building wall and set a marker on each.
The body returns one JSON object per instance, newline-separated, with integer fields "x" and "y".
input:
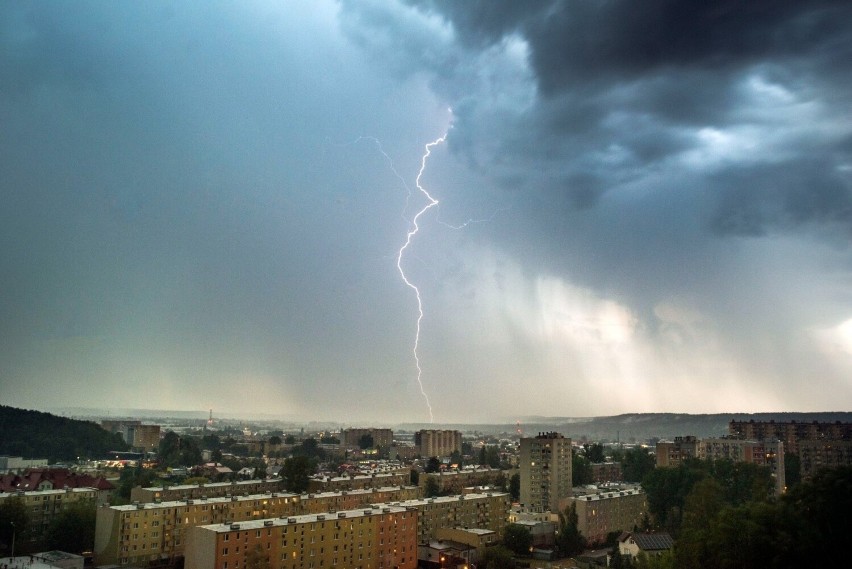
{"x": 433, "y": 442}
{"x": 454, "y": 482}
{"x": 545, "y": 471}
{"x": 816, "y": 455}
{"x": 381, "y": 437}
{"x": 673, "y": 453}
{"x": 605, "y": 512}
{"x": 483, "y": 511}
{"x": 791, "y": 432}
{"x": 144, "y": 532}
{"x": 373, "y": 538}
{"x": 762, "y": 453}
{"x": 146, "y": 437}
{"x": 339, "y": 483}
{"x": 197, "y": 491}
{"x": 43, "y": 505}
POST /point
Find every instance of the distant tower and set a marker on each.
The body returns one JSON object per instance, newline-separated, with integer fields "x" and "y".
{"x": 210, "y": 420}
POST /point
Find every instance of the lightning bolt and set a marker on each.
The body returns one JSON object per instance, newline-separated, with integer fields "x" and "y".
{"x": 415, "y": 227}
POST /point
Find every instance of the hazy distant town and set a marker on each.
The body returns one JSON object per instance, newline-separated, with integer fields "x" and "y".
{"x": 209, "y": 493}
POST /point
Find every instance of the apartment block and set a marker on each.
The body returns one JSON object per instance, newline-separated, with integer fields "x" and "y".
{"x": 763, "y": 453}
{"x": 818, "y": 454}
{"x": 358, "y": 481}
{"x": 455, "y": 481}
{"x": 154, "y": 531}
{"x": 371, "y": 538}
{"x": 601, "y": 513}
{"x": 212, "y": 490}
{"x": 545, "y": 471}
{"x": 381, "y": 437}
{"x": 673, "y": 453}
{"x": 43, "y": 505}
{"x": 145, "y": 438}
{"x": 354, "y": 499}
{"x": 435, "y": 442}
{"x": 790, "y": 432}
{"x": 483, "y": 511}
{"x": 605, "y": 472}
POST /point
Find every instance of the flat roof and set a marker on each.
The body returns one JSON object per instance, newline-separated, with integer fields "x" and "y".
{"x": 301, "y": 519}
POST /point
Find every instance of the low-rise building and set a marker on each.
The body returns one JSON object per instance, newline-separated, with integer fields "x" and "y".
{"x": 633, "y": 544}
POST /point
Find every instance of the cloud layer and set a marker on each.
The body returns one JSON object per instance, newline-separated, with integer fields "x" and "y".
{"x": 203, "y": 203}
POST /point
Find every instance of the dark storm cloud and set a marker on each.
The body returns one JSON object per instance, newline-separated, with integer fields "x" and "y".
{"x": 752, "y": 199}
{"x": 635, "y": 76}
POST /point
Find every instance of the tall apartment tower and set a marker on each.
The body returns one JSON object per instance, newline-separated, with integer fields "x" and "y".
{"x": 545, "y": 465}
{"x": 432, "y": 442}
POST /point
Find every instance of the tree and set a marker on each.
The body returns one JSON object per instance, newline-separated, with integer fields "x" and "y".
{"x": 497, "y": 557}
{"x": 432, "y": 465}
{"x": 570, "y": 541}
{"x": 431, "y": 488}
{"x": 456, "y": 458}
{"x": 792, "y": 470}
{"x": 594, "y": 452}
{"x": 414, "y": 478}
{"x": 365, "y": 441}
{"x": 329, "y": 440}
{"x": 289, "y": 440}
{"x": 637, "y": 464}
{"x": 168, "y": 452}
{"x": 517, "y": 539}
{"x": 515, "y": 487}
{"x": 581, "y": 470}
{"x": 274, "y": 441}
{"x": 73, "y": 529}
{"x": 296, "y": 473}
{"x": 14, "y": 521}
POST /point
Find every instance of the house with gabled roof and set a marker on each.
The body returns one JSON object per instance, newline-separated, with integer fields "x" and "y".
{"x": 633, "y": 543}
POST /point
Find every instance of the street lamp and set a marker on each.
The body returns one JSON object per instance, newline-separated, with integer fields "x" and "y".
{"x": 14, "y": 530}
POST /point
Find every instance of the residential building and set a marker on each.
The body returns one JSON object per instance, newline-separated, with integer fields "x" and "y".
{"x": 763, "y": 453}
{"x": 372, "y": 538}
{"x": 358, "y": 481}
{"x": 455, "y": 481}
{"x": 142, "y": 438}
{"x": 435, "y": 442}
{"x": 673, "y": 453}
{"x": 481, "y": 511}
{"x": 605, "y": 472}
{"x": 152, "y": 531}
{"x": 819, "y": 454}
{"x": 633, "y": 544}
{"x": 601, "y": 513}
{"x": 790, "y": 432}
{"x": 56, "y": 479}
{"x": 211, "y": 490}
{"x": 381, "y": 437}
{"x": 545, "y": 471}
{"x": 354, "y": 499}
{"x": 43, "y": 505}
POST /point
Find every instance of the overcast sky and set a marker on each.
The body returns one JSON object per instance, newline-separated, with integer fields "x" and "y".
{"x": 643, "y": 206}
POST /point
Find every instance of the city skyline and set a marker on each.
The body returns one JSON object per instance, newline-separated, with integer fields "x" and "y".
{"x": 641, "y": 209}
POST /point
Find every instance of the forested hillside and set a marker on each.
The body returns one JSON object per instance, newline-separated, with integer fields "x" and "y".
{"x": 33, "y": 434}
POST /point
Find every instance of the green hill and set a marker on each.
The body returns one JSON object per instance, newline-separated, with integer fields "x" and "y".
{"x": 33, "y": 434}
